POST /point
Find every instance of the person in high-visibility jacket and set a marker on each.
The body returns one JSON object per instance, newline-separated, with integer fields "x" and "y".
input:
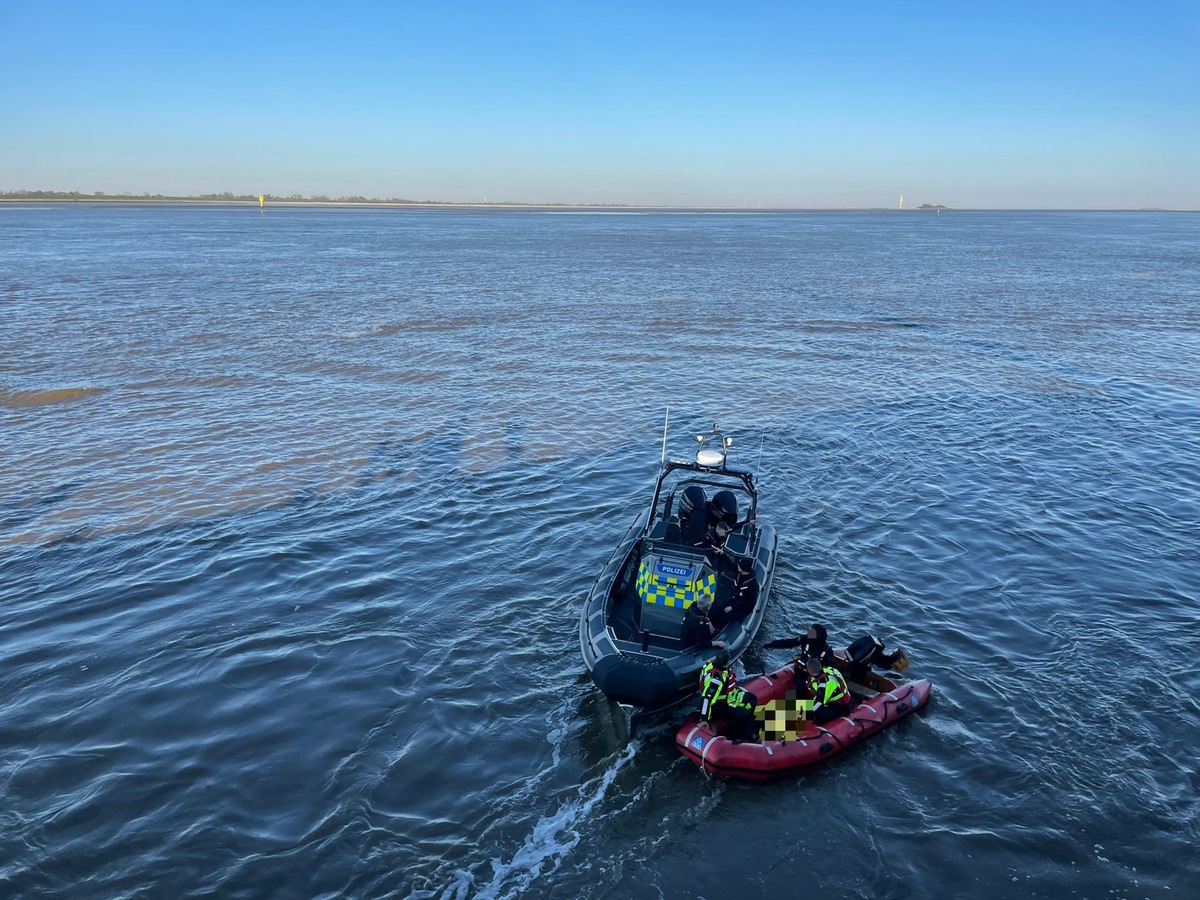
{"x": 716, "y": 678}
{"x": 737, "y": 710}
{"x": 831, "y": 694}
{"x": 728, "y": 707}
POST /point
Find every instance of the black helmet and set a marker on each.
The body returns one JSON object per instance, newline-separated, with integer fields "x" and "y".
{"x": 746, "y": 564}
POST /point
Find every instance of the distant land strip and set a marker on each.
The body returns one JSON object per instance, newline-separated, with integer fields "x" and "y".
{"x": 228, "y": 197}
{"x": 322, "y": 199}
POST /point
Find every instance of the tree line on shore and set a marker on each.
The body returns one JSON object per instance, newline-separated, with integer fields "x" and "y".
{"x": 230, "y": 197}
{"x": 224, "y": 195}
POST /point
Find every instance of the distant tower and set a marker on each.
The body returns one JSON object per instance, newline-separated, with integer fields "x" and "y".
{"x": 902, "y": 201}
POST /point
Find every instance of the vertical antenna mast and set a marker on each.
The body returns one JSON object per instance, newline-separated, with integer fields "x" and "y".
{"x": 666, "y": 418}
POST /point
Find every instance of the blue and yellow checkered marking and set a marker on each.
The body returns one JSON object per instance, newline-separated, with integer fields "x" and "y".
{"x": 666, "y": 590}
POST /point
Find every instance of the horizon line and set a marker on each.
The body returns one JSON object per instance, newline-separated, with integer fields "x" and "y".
{"x": 227, "y": 197}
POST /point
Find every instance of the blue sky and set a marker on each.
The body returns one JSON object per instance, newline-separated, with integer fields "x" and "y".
{"x": 1026, "y": 105}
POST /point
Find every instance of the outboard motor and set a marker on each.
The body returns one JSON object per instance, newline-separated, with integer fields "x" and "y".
{"x": 865, "y": 650}
{"x": 868, "y": 651}
{"x": 723, "y": 508}
{"x": 693, "y": 499}
{"x": 693, "y": 510}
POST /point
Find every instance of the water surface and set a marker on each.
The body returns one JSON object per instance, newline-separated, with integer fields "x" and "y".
{"x": 297, "y": 512}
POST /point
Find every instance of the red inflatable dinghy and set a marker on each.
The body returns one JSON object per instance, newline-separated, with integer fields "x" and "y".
{"x": 703, "y": 744}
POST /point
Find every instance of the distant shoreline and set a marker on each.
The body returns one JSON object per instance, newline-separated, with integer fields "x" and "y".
{"x": 130, "y": 200}
{"x": 242, "y": 200}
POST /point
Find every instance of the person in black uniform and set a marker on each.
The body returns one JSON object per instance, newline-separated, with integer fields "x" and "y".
{"x": 713, "y": 544}
{"x": 815, "y": 642}
{"x": 741, "y": 601}
{"x": 696, "y": 634}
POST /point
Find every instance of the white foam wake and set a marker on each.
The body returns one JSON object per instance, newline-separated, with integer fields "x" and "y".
{"x": 547, "y": 845}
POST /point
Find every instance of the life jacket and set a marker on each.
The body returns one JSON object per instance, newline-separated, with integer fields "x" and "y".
{"x": 831, "y": 688}
{"x": 818, "y": 648}
{"x": 715, "y": 682}
{"x": 736, "y": 698}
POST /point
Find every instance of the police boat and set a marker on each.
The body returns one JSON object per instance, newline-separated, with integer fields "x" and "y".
{"x": 632, "y": 627}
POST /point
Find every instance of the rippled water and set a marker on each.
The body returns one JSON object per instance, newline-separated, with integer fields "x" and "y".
{"x": 297, "y": 511}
